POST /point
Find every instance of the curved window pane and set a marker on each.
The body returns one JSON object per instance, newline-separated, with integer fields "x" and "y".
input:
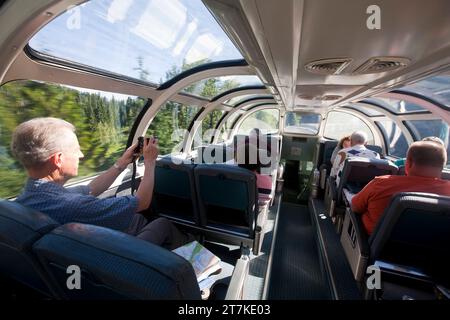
{"x": 239, "y": 99}
{"x": 366, "y": 110}
{"x": 225, "y": 130}
{"x": 436, "y": 88}
{"x": 302, "y": 123}
{"x": 233, "y": 118}
{"x": 397, "y": 143}
{"x": 209, "y": 124}
{"x": 397, "y": 106}
{"x": 427, "y": 128}
{"x": 170, "y": 126}
{"x": 432, "y": 128}
{"x": 147, "y": 40}
{"x": 257, "y": 104}
{"x": 102, "y": 121}
{"x": 341, "y": 124}
{"x": 209, "y": 88}
{"x": 265, "y": 120}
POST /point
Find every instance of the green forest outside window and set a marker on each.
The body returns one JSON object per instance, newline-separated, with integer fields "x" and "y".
{"x": 102, "y": 121}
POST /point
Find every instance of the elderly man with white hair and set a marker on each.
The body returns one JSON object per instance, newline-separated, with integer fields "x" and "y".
{"x": 358, "y": 141}
{"x": 49, "y": 150}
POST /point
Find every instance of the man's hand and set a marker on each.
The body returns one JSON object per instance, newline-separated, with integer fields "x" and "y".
{"x": 127, "y": 157}
{"x": 150, "y": 150}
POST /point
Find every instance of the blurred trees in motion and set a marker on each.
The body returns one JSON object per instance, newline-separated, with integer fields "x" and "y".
{"x": 102, "y": 123}
{"x": 102, "y": 120}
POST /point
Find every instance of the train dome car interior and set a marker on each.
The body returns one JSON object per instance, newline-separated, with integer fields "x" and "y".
{"x": 201, "y": 75}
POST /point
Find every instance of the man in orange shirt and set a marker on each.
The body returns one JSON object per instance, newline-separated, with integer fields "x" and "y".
{"x": 424, "y": 163}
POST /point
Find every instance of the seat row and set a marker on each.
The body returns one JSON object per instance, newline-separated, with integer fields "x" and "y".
{"x": 410, "y": 246}
{"x": 410, "y": 243}
{"x": 215, "y": 199}
{"x": 79, "y": 261}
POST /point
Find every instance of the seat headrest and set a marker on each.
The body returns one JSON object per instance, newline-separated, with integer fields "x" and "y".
{"x": 363, "y": 170}
{"x": 33, "y": 220}
{"x": 224, "y": 169}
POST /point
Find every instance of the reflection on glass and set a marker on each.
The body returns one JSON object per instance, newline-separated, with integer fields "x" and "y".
{"x": 147, "y": 40}
{"x": 265, "y": 120}
{"x": 368, "y": 111}
{"x": 239, "y": 99}
{"x": 397, "y": 106}
{"x": 102, "y": 121}
{"x": 437, "y": 88}
{"x": 209, "y": 88}
{"x": 209, "y": 124}
{"x": 398, "y": 146}
{"x": 170, "y": 126}
{"x": 302, "y": 123}
{"x": 334, "y": 128}
{"x": 432, "y": 128}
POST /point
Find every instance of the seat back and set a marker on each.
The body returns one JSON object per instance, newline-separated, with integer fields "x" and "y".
{"x": 114, "y": 265}
{"x": 227, "y": 198}
{"x": 375, "y": 148}
{"x": 20, "y": 227}
{"x": 358, "y": 172}
{"x": 174, "y": 193}
{"x": 214, "y": 153}
{"x": 414, "y": 231}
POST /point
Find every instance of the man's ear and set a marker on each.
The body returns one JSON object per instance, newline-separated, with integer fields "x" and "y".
{"x": 408, "y": 165}
{"x": 56, "y": 160}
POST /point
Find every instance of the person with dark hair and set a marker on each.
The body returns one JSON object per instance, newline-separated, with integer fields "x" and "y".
{"x": 344, "y": 143}
{"x": 248, "y": 156}
{"x": 424, "y": 163}
{"x": 358, "y": 141}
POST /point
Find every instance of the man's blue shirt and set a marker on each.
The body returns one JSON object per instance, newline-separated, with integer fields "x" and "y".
{"x": 76, "y": 205}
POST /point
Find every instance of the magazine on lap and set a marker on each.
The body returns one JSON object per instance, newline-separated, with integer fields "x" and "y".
{"x": 203, "y": 261}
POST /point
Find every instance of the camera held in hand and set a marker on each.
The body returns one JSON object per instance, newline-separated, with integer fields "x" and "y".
{"x": 140, "y": 147}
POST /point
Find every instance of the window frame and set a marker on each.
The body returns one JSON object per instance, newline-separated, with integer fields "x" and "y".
{"x": 294, "y": 134}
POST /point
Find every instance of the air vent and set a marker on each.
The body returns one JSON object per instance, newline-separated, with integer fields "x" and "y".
{"x": 305, "y": 97}
{"x": 382, "y": 64}
{"x": 328, "y": 66}
{"x": 330, "y": 97}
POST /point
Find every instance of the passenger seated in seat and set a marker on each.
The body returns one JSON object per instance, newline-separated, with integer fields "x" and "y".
{"x": 344, "y": 143}
{"x": 424, "y": 163}
{"x": 49, "y": 150}
{"x": 358, "y": 140}
{"x": 248, "y": 156}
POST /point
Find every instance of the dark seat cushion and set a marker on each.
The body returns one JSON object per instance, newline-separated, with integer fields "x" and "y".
{"x": 115, "y": 265}
{"x": 20, "y": 227}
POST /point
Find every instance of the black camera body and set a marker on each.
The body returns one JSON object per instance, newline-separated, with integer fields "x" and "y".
{"x": 140, "y": 147}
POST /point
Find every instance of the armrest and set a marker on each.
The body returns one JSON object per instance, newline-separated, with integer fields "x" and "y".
{"x": 355, "y": 243}
{"x": 259, "y": 229}
{"x": 324, "y": 170}
{"x": 361, "y": 235}
{"x": 236, "y": 287}
{"x": 333, "y": 188}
